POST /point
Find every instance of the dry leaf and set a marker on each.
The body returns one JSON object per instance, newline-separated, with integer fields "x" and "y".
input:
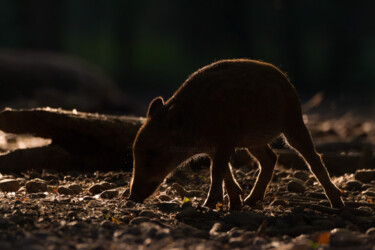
{"x": 219, "y": 206}
{"x": 323, "y": 238}
{"x": 186, "y": 200}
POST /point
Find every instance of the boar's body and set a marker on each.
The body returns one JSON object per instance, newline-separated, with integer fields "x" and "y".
{"x": 241, "y": 103}
{"x": 228, "y": 104}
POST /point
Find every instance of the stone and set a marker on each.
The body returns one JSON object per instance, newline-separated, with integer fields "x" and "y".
{"x": 241, "y": 219}
{"x": 65, "y": 190}
{"x": 148, "y": 213}
{"x": 353, "y": 185}
{"x": 279, "y": 202}
{"x": 76, "y": 188}
{"x": 138, "y": 220}
{"x": 107, "y": 185}
{"x": 296, "y": 187}
{"x": 9, "y": 185}
{"x": 126, "y": 193}
{"x": 96, "y": 189}
{"x": 302, "y": 175}
{"x": 364, "y": 175}
{"x": 340, "y": 237}
{"x": 371, "y": 231}
{"x": 36, "y": 185}
{"x": 109, "y": 194}
{"x": 164, "y": 197}
{"x": 369, "y": 193}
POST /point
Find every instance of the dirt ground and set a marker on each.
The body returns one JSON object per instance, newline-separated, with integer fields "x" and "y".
{"x": 81, "y": 210}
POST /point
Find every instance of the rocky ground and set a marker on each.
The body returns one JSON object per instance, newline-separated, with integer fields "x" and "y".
{"x": 80, "y": 210}
{"x": 74, "y": 210}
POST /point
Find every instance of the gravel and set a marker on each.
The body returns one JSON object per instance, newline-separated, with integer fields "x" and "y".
{"x": 89, "y": 210}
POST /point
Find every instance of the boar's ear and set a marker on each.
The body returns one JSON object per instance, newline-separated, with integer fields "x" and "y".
{"x": 155, "y": 106}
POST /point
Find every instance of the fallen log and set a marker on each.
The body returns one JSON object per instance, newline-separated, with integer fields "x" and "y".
{"x": 93, "y": 141}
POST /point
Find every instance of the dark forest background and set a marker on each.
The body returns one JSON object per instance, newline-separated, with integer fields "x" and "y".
{"x": 150, "y": 47}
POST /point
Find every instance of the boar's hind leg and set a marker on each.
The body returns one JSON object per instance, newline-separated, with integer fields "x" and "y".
{"x": 267, "y": 160}
{"x": 299, "y": 138}
{"x": 219, "y": 167}
{"x": 234, "y": 190}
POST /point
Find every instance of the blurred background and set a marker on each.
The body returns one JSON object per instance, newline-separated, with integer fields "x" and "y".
{"x": 114, "y": 56}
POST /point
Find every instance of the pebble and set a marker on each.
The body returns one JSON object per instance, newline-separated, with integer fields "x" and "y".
{"x": 340, "y": 237}
{"x": 247, "y": 219}
{"x": 106, "y": 224}
{"x": 107, "y": 185}
{"x": 130, "y": 204}
{"x": 164, "y": 197}
{"x": 36, "y": 185}
{"x": 364, "y": 175}
{"x": 353, "y": 185}
{"x": 65, "y": 190}
{"x": 279, "y": 202}
{"x": 187, "y": 212}
{"x": 138, "y": 220}
{"x": 76, "y": 188}
{"x": 96, "y": 189}
{"x": 302, "y": 175}
{"x": 148, "y": 213}
{"x": 109, "y": 194}
{"x": 371, "y": 231}
{"x": 296, "y": 187}
{"x": 9, "y": 185}
{"x": 126, "y": 193}
{"x": 369, "y": 193}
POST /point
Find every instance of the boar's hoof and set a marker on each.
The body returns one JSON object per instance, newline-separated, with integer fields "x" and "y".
{"x": 135, "y": 199}
{"x": 235, "y": 204}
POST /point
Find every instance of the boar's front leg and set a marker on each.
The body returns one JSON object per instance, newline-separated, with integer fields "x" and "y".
{"x": 219, "y": 168}
{"x": 234, "y": 190}
{"x": 267, "y": 160}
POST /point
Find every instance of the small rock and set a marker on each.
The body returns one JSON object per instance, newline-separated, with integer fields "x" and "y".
{"x": 164, "y": 197}
{"x": 88, "y": 198}
{"x": 36, "y": 185}
{"x": 168, "y": 207}
{"x": 107, "y": 185}
{"x": 324, "y": 224}
{"x": 109, "y": 194}
{"x": 130, "y": 204}
{"x": 138, "y": 220}
{"x": 216, "y": 229}
{"x": 75, "y": 188}
{"x": 9, "y": 185}
{"x": 371, "y": 231}
{"x": 279, "y": 202}
{"x": 149, "y": 214}
{"x": 364, "y": 175}
{"x": 65, "y": 190}
{"x": 126, "y": 193}
{"x": 96, "y": 189}
{"x": 187, "y": 212}
{"x": 341, "y": 237}
{"x": 296, "y": 187}
{"x": 353, "y": 185}
{"x": 244, "y": 219}
{"x": 121, "y": 182}
{"x": 302, "y": 175}
{"x": 369, "y": 193}
{"x": 106, "y": 224}
{"x": 5, "y": 224}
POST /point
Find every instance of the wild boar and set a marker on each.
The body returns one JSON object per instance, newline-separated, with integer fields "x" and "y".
{"x": 228, "y": 104}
